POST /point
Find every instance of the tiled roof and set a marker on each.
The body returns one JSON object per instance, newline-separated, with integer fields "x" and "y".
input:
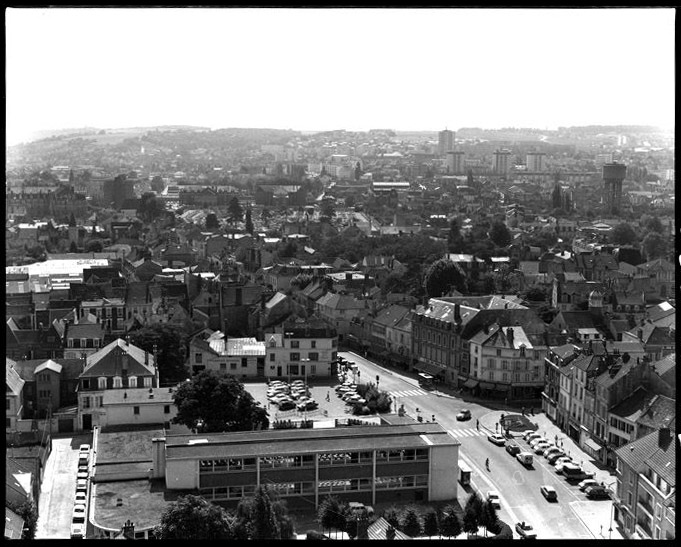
{"x": 660, "y": 410}
{"x": 107, "y": 361}
{"x": 646, "y": 452}
{"x": 377, "y": 530}
{"x": 14, "y": 381}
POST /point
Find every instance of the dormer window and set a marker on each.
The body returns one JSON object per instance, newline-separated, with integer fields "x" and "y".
{"x": 117, "y": 382}
{"x": 101, "y": 382}
{"x": 147, "y": 381}
{"x": 132, "y": 381}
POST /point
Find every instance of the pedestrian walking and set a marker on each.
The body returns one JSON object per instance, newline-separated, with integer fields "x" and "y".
{"x": 477, "y": 424}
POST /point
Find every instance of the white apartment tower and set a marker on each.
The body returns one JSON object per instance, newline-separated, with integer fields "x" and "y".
{"x": 536, "y": 162}
{"x": 445, "y": 141}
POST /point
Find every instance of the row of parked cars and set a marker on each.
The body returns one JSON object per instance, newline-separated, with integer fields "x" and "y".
{"x": 78, "y": 518}
{"x": 295, "y": 395}
{"x": 347, "y": 391}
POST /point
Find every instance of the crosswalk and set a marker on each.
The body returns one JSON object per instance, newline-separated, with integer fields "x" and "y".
{"x": 470, "y": 432}
{"x": 408, "y": 393}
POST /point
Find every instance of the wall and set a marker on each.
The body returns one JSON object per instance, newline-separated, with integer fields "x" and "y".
{"x": 444, "y": 470}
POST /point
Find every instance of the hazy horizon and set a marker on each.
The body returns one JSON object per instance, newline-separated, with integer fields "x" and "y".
{"x": 315, "y": 70}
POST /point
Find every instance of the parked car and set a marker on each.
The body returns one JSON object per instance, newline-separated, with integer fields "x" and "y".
{"x": 597, "y": 493}
{"x": 82, "y": 475}
{"x": 281, "y": 399}
{"x": 553, "y": 458}
{"x": 572, "y": 466}
{"x": 80, "y": 498}
{"x": 81, "y": 485}
{"x": 561, "y": 460}
{"x": 525, "y": 531}
{"x": 493, "y": 496}
{"x": 287, "y": 405}
{"x": 549, "y": 492}
{"x": 540, "y": 447}
{"x": 527, "y": 433}
{"x": 464, "y": 415}
{"x": 586, "y": 483}
{"x": 79, "y": 511}
{"x": 497, "y": 438}
{"x": 84, "y": 448}
{"x": 307, "y": 405}
{"x": 536, "y": 440}
{"x": 513, "y": 449}
{"x": 532, "y": 436}
{"x": 553, "y": 449}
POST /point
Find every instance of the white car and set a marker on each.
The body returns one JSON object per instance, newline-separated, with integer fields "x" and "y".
{"x": 538, "y": 440}
{"x": 80, "y": 498}
{"x": 493, "y": 496}
{"x": 81, "y": 485}
{"x": 84, "y": 448}
{"x": 540, "y": 447}
{"x": 559, "y": 466}
{"x": 553, "y": 449}
{"x": 586, "y": 483}
{"x": 497, "y": 438}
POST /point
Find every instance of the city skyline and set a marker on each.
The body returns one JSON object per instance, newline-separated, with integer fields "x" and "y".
{"x": 324, "y": 69}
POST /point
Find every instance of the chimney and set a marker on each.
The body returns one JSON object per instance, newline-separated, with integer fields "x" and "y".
{"x": 457, "y": 313}
{"x": 146, "y": 357}
{"x": 348, "y": 276}
{"x": 509, "y": 335}
{"x": 664, "y": 437}
{"x": 129, "y": 530}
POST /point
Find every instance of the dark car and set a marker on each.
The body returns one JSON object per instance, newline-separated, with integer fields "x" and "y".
{"x": 287, "y": 405}
{"x": 597, "y": 493}
{"x": 512, "y": 449}
{"x": 549, "y": 492}
{"x": 464, "y": 415}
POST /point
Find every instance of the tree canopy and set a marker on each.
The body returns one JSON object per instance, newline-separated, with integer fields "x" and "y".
{"x": 442, "y": 276}
{"x": 499, "y": 234}
{"x": 450, "y": 525}
{"x": 235, "y": 210}
{"x": 624, "y": 234}
{"x": 654, "y": 246}
{"x": 212, "y": 402}
{"x": 192, "y": 517}
{"x": 169, "y": 341}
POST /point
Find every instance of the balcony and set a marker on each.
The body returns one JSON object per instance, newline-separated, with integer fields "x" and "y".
{"x": 644, "y": 530}
{"x": 646, "y": 505}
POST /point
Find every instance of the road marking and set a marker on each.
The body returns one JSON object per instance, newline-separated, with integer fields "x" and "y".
{"x": 466, "y": 433}
{"x": 409, "y": 393}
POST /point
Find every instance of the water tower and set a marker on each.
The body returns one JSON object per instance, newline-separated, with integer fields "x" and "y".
{"x": 613, "y": 175}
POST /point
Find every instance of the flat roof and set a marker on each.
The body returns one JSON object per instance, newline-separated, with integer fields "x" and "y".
{"x": 282, "y": 442}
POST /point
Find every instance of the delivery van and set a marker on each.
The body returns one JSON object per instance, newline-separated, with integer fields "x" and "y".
{"x": 525, "y": 458}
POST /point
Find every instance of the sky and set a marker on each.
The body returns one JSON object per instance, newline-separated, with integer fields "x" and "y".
{"x": 323, "y": 69}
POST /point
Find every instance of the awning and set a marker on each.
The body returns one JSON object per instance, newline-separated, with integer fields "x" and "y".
{"x": 470, "y": 383}
{"x": 429, "y": 368}
{"x": 502, "y": 387}
{"x": 486, "y": 385}
{"x": 593, "y": 445}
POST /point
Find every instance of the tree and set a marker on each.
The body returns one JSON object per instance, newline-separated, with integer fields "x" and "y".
{"x": 556, "y": 197}
{"x": 651, "y": 223}
{"x": 442, "y": 276}
{"x": 454, "y": 239}
{"x": 499, "y": 234}
{"x": 410, "y": 523}
{"x": 535, "y": 294}
{"x": 192, "y": 517}
{"x": 264, "y": 523}
{"x": 168, "y": 341}
{"x": 327, "y": 210}
{"x": 150, "y": 207}
{"x": 157, "y": 184}
{"x": 94, "y": 246}
{"x": 350, "y": 201}
{"x": 212, "y": 222}
{"x": 471, "y": 513}
{"x": 624, "y": 234}
{"x": 212, "y": 402}
{"x": 72, "y": 220}
{"x": 450, "y": 526}
{"x": 392, "y": 515}
{"x": 236, "y": 212}
{"x": 488, "y": 516}
{"x": 249, "y": 222}
{"x": 390, "y": 532}
{"x": 358, "y": 171}
{"x": 73, "y": 248}
{"x": 431, "y": 526}
{"x": 654, "y": 246}
{"x": 332, "y": 513}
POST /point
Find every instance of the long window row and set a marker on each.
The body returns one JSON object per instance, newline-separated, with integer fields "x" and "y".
{"x": 326, "y": 459}
{"x": 324, "y": 487}
{"x": 222, "y": 466}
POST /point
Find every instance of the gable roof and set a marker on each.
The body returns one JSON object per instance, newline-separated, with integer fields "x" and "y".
{"x": 378, "y": 528}
{"x": 14, "y": 382}
{"x": 49, "y": 365}
{"x": 647, "y": 452}
{"x": 108, "y": 361}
